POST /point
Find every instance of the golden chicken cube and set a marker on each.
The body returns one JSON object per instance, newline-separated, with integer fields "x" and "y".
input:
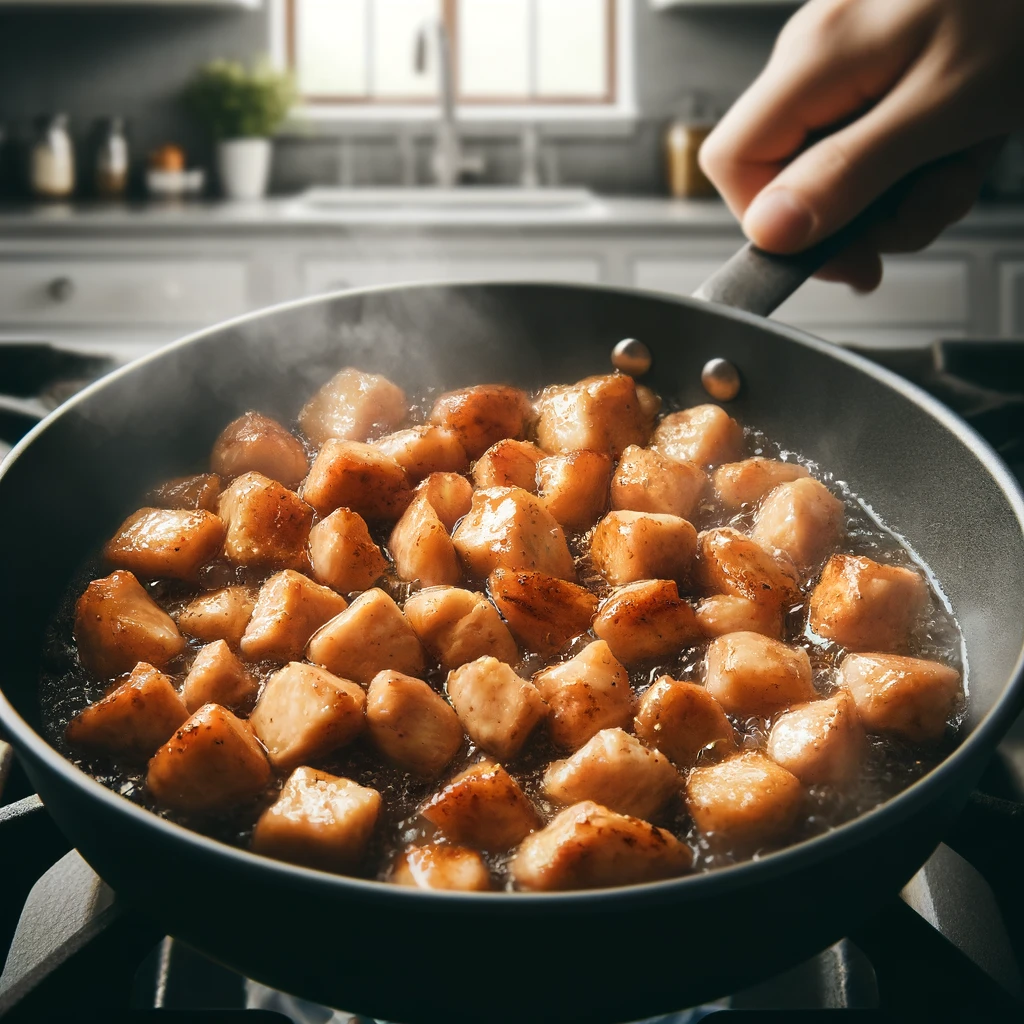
{"x": 508, "y": 463}
{"x": 732, "y": 563}
{"x": 483, "y": 415}
{"x": 306, "y": 712}
{"x": 319, "y": 820}
{"x": 496, "y": 707}
{"x": 422, "y": 549}
{"x": 737, "y": 484}
{"x": 217, "y": 677}
{"x": 646, "y": 481}
{"x": 727, "y": 613}
{"x": 586, "y": 694}
{"x": 219, "y": 615}
{"x": 342, "y": 553}
{"x": 866, "y": 606}
{"x": 646, "y": 620}
{"x": 411, "y": 724}
{"x": 819, "y": 742}
{"x": 166, "y": 542}
{"x": 255, "y": 442}
{"x": 509, "y": 528}
{"x": 617, "y": 771}
{"x": 423, "y": 450}
{"x": 803, "y": 518}
{"x": 684, "y": 722}
{"x": 450, "y": 496}
{"x": 117, "y": 625}
{"x": 353, "y": 406}
{"x": 357, "y": 476}
{"x": 371, "y": 635}
{"x": 482, "y": 807}
{"x": 705, "y": 435}
{"x": 439, "y": 866}
{"x": 456, "y": 626}
{"x": 213, "y": 762}
{"x": 131, "y": 721}
{"x": 587, "y": 846}
{"x": 199, "y": 491}
{"x": 746, "y": 799}
{"x": 574, "y": 487}
{"x": 289, "y": 610}
{"x": 632, "y": 546}
{"x": 910, "y": 697}
{"x": 751, "y": 674}
{"x": 267, "y": 524}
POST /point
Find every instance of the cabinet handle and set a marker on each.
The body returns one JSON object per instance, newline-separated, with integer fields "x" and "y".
{"x": 61, "y": 289}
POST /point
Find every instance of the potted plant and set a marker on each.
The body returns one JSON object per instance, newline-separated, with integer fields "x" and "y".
{"x": 241, "y": 109}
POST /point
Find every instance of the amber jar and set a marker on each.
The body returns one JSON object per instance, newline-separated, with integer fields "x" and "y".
{"x": 684, "y": 136}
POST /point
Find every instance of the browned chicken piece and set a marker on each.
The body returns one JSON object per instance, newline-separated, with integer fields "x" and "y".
{"x": 543, "y": 613}
{"x": 368, "y": 637}
{"x": 422, "y": 549}
{"x": 684, "y": 722}
{"x": 745, "y": 483}
{"x": 802, "y": 518}
{"x": 705, "y": 435}
{"x": 213, "y": 762}
{"x": 481, "y": 416}
{"x": 586, "y": 694}
{"x": 305, "y": 712}
{"x": 482, "y": 807}
{"x": 496, "y": 707}
{"x": 508, "y": 463}
{"x": 910, "y": 697}
{"x": 731, "y": 563}
{"x": 353, "y": 406}
{"x": 646, "y": 481}
{"x": 166, "y": 542}
{"x": 117, "y": 625}
{"x": 746, "y": 799}
{"x": 646, "y": 620}
{"x": 423, "y": 450}
{"x": 650, "y": 402}
{"x": 450, "y": 496}
{"x": 587, "y": 846}
{"x": 509, "y": 528}
{"x": 217, "y": 677}
{"x": 255, "y": 442}
{"x": 819, "y": 742}
{"x": 727, "y": 613}
{"x": 411, "y": 724}
{"x": 268, "y": 525}
{"x": 617, "y": 771}
{"x": 456, "y": 626}
{"x": 357, "y": 476}
{"x": 632, "y": 546}
{"x": 751, "y": 674}
{"x": 219, "y": 615}
{"x": 131, "y": 721}
{"x": 342, "y": 552}
{"x": 574, "y": 487}
{"x": 199, "y": 491}
{"x": 866, "y": 606}
{"x": 319, "y": 820}
{"x": 289, "y": 610}
{"x": 438, "y": 866}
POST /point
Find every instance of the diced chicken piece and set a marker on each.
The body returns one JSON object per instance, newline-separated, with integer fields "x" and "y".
{"x": 617, "y": 771}
{"x": 422, "y": 549}
{"x": 751, "y": 674}
{"x": 449, "y": 494}
{"x": 456, "y": 626}
{"x": 219, "y": 615}
{"x": 117, "y": 625}
{"x": 289, "y": 610}
{"x": 586, "y": 694}
{"x": 496, "y": 707}
{"x": 368, "y": 637}
{"x": 727, "y": 613}
{"x": 731, "y": 563}
{"x": 587, "y": 846}
{"x": 705, "y": 435}
{"x": 412, "y": 724}
{"x": 217, "y": 677}
{"x": 543, "y": 613}
{"x": 684, "y": 722}
{"x": 650, "y": 402}
{"x": 353, "y": 406}
{"x": 132, "y": 720}
{"x": 910, "y": 697}
{"x": 423, "y": 450}
{"x": 508, "y": 463}
{"x": 632, "y": 546}
{"x": 745, "y": 483}
{"x": 483, "y": 415}
{"x": 482, "y": 807}
{"x": 574, "y": 487}
{"x": 268, "y": 525}
{"x": 866, "y": 606}
{"x": 647, "y": 481}
{"x": 646, "y": 620}
{"x": 166, "y": 542}
{"x": 744, "y": 799}
{"x": 213, "y": 762}
{"x": 438, "y": 866}
{"x": 200, "y": 491}
{"x": 342, "y": 552}
{"x": 802, "y": 518}
{"x": 306, "y": 712}
{"x": 819, "y": 742}
{"x": 357, "y": 476}
{"x": 319, "y": 820}
{"x": 509, "y": 528}
{"x": 256, "y": 443}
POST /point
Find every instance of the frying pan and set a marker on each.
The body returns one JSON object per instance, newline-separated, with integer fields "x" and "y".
{"x": 609, "y": 955}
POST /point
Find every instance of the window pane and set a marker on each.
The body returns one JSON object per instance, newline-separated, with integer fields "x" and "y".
{"x": 494, "y": 48}
{"x": 330, "y": 47}
{"x": 395, "y": 25}
{"x": 572, "y": 48}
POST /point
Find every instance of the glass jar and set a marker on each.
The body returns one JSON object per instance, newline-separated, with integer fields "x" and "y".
{"x": 684, "y": 136}
{"x": 52, "y": 159}
{"x": 112, "y": 160}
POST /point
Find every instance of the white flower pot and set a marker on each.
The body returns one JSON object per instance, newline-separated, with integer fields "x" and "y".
{"x": 243, "y": 166}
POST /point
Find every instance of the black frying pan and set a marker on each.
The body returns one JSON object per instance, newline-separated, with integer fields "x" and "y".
{"x": 609, "y": 955}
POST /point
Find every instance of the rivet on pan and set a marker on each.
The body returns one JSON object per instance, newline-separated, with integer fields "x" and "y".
{"x": 721, "y": 379}
{"x": 632, "y": 357}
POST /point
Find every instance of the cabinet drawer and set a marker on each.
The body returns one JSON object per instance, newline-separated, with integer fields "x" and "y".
{"x": 1011, "y": 298}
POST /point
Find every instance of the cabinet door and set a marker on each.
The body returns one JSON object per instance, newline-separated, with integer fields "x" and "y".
{"x": 1011, "y": 298}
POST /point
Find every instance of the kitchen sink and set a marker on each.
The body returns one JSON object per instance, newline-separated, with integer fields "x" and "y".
{"x": 478, "y": 200}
